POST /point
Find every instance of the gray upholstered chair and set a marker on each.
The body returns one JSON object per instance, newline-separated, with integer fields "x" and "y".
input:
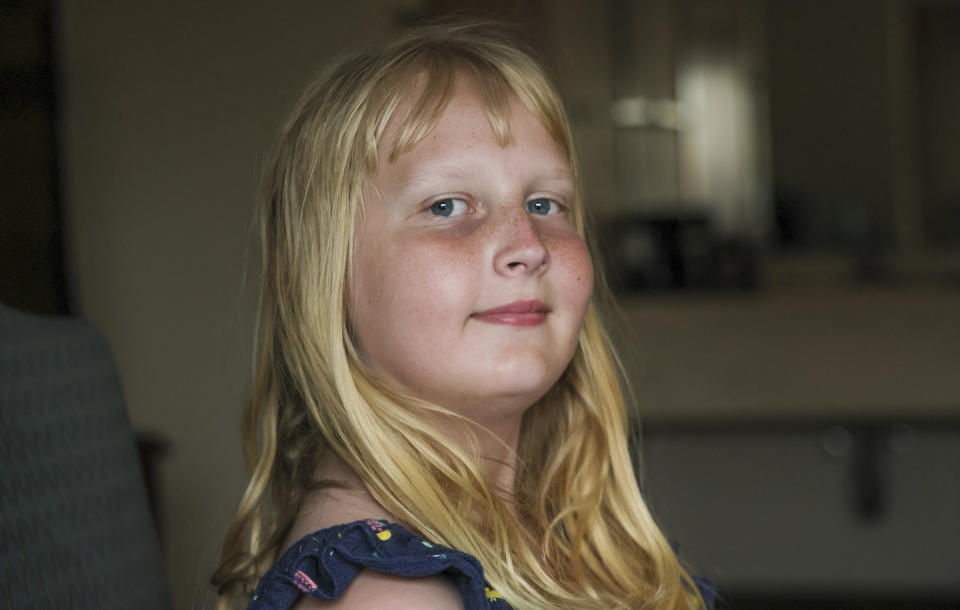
{"x": 75, "y": 529}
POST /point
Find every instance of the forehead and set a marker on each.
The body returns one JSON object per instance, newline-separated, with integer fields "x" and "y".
{"x": 468, "y": 114}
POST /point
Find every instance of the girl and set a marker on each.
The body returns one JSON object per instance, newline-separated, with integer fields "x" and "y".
{"x": 436, "y": 420}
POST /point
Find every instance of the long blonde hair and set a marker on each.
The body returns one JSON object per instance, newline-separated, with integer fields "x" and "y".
{"x": 578, "y": 534}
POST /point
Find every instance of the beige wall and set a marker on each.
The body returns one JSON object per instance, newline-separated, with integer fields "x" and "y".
{"x": 167, "y": 111}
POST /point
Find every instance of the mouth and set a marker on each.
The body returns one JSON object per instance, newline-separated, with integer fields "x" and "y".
{"x": 519, "y": 313}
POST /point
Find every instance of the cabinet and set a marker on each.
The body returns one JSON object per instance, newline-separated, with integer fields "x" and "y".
{"x": 779, "y": 511}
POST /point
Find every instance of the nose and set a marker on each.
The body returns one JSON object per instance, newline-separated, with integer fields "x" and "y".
{"x": 521, "y": 249}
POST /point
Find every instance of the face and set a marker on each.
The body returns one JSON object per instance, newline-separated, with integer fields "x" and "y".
{"x": 470, "y": 281}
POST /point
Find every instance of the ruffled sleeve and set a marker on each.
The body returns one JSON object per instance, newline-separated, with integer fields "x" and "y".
{"x": 324, "y": 564}
{"x": 708, "y": 592}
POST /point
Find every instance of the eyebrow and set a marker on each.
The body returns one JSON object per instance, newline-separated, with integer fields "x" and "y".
{"x": 445, "y": 170}
{"x": 422, "y": 177}
{"x": 559, "y": 173}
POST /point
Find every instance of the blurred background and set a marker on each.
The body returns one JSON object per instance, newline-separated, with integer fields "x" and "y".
{"x": 776, "y": 185}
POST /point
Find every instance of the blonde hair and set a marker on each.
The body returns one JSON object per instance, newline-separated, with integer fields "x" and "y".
{"x": 579, "y": 534}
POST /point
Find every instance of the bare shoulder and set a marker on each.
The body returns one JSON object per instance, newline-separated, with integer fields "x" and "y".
{"x": 373, "y": 590}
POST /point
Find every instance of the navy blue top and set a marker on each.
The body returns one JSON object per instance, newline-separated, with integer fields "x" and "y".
{"x": 323, "y": 564}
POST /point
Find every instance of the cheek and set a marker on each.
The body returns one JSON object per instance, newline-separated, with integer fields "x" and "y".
{"x": 431, "y": 273}
{"x": 571, "y": 258}
{"x": 407, "y": 288}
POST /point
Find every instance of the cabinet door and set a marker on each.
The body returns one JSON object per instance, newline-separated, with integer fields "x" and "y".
{"x": 786, "y": 510}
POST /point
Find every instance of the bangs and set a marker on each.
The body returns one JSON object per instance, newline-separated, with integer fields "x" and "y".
{"x": 420, "y": 84}
{"x": 434, "y": 87}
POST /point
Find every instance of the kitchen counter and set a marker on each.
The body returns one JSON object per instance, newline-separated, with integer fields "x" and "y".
{"x": 779, "y": 355}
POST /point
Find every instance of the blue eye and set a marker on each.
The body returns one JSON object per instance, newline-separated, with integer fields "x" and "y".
{"x": 448, "y": 207}
{"x": 542, "y": 206}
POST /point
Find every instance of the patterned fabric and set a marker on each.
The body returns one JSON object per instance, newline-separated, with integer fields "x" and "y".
{"x": 75, "y": 529}
{"x": 324, "y": 564}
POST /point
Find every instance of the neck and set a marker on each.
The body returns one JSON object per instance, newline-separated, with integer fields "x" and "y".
{"x": 498, "y": 448}
{"x": 350, "y": 500}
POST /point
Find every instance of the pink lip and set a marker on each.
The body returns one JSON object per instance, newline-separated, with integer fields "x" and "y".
{"x": 519, "y": 313}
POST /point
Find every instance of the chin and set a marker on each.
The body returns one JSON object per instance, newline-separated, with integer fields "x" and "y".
{"x": 494, "y": 410}
{"x": 524, "y": 386}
